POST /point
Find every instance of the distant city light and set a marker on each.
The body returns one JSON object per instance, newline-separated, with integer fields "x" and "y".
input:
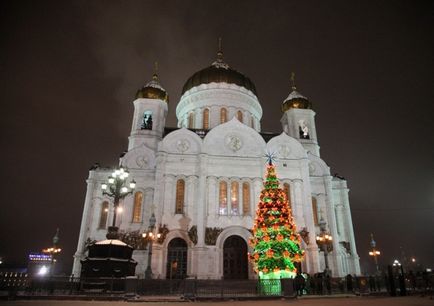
{"x": 43, "y": 270}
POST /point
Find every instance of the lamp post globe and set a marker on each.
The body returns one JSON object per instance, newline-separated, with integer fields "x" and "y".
{"x": 117, "y": 188}
{"x": 324, "y": 241}
{"x": 149, "y": 236}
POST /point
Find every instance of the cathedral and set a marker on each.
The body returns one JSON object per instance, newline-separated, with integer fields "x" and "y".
{"x": 202, "y": 182}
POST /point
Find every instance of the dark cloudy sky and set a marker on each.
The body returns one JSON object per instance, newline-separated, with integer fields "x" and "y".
{"x": 69, "y": 71}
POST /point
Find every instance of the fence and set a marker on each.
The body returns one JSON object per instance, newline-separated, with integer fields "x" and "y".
{"x": 20, "y": 284}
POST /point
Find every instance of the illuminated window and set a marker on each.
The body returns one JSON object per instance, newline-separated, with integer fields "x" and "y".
{"x": 137, "y": 206}
{"x": 146, "y": 121}
{"x": 315, "y": 211}
{"x": 191, "y": 121}
{"x": 206, "y": 119}
{"x": 234, "y": 198}
{"x": 246, "y": 199}
{"x": 287, "y": 190}
{"x": 103, "y": 215}
{"x": 223, "y": 201}
{"x": 223, "y": 115}
{"x": 240, "y": 116}
{"x": 180, "y": 191}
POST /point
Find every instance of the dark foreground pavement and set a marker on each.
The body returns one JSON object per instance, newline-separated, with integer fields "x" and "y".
{"x": 353, "y": 301}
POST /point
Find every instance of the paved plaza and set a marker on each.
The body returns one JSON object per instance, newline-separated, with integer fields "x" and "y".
{"x": 353, "y": 301}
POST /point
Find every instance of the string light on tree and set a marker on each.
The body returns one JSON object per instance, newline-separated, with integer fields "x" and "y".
{"x": 275, "y": 241}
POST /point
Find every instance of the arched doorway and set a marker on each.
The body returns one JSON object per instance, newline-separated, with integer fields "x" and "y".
{"x": 235, "y": 258}
{"x": 176, "y": 265}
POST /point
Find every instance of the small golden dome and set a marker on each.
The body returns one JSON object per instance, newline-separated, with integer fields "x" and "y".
{"x": 295, "y": 99}
{"x": 153, "y": 90}
{"x": 219, "y": 72}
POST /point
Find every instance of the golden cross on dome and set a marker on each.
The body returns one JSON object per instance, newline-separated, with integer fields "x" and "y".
{"x": 293, "y": 81}
{"x": 220, "y": 52}
{"x": 155, "y": 76}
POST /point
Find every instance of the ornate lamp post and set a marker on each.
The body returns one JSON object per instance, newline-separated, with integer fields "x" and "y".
{"x": 116, "y": 188}
{"x": 324, "y": 240}
{"x": 149, "y": 237}
{"x": 374, "y": 252}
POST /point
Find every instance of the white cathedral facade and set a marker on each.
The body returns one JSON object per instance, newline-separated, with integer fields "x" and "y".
{"x": 202, "y": 181}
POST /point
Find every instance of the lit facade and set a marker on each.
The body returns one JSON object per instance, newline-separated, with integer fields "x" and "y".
{"x": 202, "y": 181}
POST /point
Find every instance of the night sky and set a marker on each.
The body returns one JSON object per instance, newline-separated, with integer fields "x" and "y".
{"x": 69, "y": 71}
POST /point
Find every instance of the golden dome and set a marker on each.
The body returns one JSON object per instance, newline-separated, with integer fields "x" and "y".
{"x": 153, "y": 90}
{"x": 219, "y": 72}
{"x": 295, "y": 99}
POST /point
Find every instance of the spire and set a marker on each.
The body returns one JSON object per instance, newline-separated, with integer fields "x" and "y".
{"x": 293, "y": 81}
{"x": 373, "y": 243}
{"x": 56, "y": 237}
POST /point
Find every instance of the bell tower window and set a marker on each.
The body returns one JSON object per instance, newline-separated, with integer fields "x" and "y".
{"x": 146, "y": 121}
{"x": 303, "y": 130}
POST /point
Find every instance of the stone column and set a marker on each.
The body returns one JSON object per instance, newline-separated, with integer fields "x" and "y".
{"x": 331, "y": 220}
{"x": 167, "y": 198}
{"x": 85, "y": 222}
{"x": 212, "y": 208}
{"x": 191, "y": 197}
{"x": 350, "y": 230}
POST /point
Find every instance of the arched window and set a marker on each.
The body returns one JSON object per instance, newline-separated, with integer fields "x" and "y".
{"x": 205, "y": 119}
{"x": 137, "y": 206}
{"x": 223, "y": 201}
{"x": 315, "y": 211}
{"x": 246, "y": 198}
{"x": 146, "y": 121}
{"x": 180, "y": 191}
{"x": 240, "y": 116}
{"x": 223, "y": 115}
{"x": 252, "y": 122}
{"x": 287, "y": 190}
{"x": 191, "y": 121}
{"x": 103, "y": 215}
{"x": 234, "y": 198}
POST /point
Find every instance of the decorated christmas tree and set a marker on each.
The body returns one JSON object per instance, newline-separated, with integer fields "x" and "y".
{"x": 275, "y": 241}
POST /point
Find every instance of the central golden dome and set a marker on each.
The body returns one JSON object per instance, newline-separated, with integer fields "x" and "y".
{"x": 219, "y": 72}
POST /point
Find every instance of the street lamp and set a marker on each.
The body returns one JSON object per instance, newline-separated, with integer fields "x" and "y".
{"x": 324, "y": 240}
{"x": 374, "y": 252}
{"x": 117, "y": 188}
{"x": 149, "y": 237}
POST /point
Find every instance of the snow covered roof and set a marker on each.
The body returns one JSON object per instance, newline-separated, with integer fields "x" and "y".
{"x": 295, "y": 95}
{"x": 111, "y": 241}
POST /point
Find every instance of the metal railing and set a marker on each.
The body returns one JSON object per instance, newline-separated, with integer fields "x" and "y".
{"x": 20, "y": 284}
